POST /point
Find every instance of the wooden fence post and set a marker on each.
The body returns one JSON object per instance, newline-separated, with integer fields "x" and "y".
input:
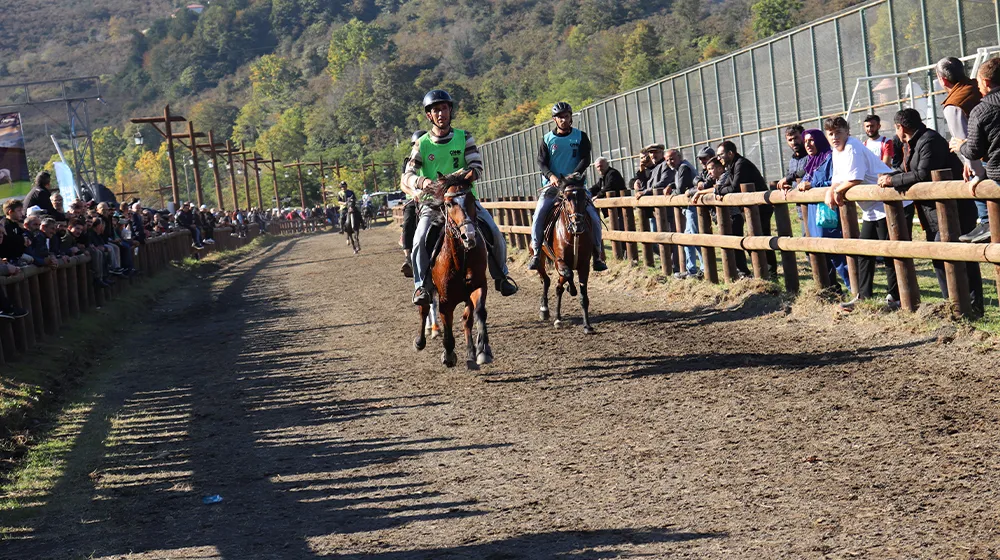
{"x": 817, "y": 261}
{"x": 849, "y": 226}
{"x": 906, "y": 272}
{"x": 752, "y": 216}
{"x": 27, "y": 323}
{"x": 615, "y": 220}
{"x": 524, "y": 240}
{"x": 951, "y": 229}
{"x": 647, "y": 248}
{"x": 678, "y": 227}
{"x": 666, "y": 251}
{"x": 18, "y": 326}
{"x": 993, "y": 207}
{"x": 724, "y": 218}
{"x": 789, "y": 266}
{"x": 631, "y": 249}
{"x": 708, "y": 253}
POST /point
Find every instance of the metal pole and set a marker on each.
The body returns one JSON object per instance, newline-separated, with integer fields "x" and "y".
{"x": 961, "y": 27}
{"x": 840, "y": 64}
{"x": 868, "y": 64}
{"x": 302, "y": 191}
{"x": 174, "y": 191}
{"x": 704, "y": 104}
{"x": 687, "y": 92}
{"x": 246, "y": 173}
{"x": 677, "y": 114}
{"x": 718, "y": 100}
{"x": 274, "y": 179}
{"x": 194, "y": 163}
{"x": 774, "y": 99}
{"x": 815, "y": 61}
{"x": 736, "y": 99}
{"x": 232, "y": 174}
{"x": 215, "y": 170}
{"x": 795, "y": 81}
{"x": 256, "y": 179}
{"x": 663, "y": 113}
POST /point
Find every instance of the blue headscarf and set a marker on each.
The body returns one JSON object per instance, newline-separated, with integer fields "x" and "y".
{"x": 823, "y": 145}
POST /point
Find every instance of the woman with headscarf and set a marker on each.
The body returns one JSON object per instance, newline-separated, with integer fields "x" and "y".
{"x": 817, "y": 174}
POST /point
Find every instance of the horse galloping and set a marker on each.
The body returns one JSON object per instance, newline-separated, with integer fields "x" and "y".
{"x": 352, "y": 226}
{"x": 459, "y": 275}
{"x": 568, "y": 245}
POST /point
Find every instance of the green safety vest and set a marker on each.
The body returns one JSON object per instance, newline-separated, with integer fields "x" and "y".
{"x": 442, "y": 158}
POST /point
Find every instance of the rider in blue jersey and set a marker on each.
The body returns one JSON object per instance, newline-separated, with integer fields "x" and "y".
{"x": 563, "y": 152}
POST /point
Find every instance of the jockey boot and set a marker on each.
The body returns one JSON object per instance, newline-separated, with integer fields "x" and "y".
{"x": 421, "y": 296}
{"x": 533, "y": 261}
{"x": 506, "y": 287}
{"x": 407, "y": 269}
{"x": 599, "y": 264}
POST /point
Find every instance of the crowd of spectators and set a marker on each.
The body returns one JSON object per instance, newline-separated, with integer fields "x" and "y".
{"x": 833, "y": 158}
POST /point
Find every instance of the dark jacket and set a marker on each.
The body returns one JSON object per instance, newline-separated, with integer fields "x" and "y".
{"x": 740, "y": 172}
{"x": 983, "y": 141}
{"x": 13, "y": 241}
{"x": 185, "y": 219}
{"x": 928, "y": 151}
{"x": 38, "y": 249}
{"x": 138, "y": 228}
{"x": 42, "y": 198}
{"x": 612, "y": 181}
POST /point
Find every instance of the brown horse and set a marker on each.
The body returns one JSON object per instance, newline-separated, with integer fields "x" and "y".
{"x": 459, "y": 275}
{"x": 571, "y": 247}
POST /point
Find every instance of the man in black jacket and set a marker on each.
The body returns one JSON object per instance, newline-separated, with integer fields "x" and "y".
{"x": 740, "y": 171}
{"x": 609, "y": 179}
{"x": 924, "y": 150}
{"x": 983, "y": 141}
{"x": 41, "y": 196}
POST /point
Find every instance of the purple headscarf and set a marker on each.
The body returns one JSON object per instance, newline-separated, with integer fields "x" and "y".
{"x": 823, "y": 145}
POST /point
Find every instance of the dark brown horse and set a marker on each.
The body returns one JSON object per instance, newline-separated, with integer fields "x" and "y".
{"x": 459, "y": 274}
{"x": 569, "y": 244}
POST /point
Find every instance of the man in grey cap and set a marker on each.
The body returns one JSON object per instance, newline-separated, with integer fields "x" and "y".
{"x": 653, "y": 173}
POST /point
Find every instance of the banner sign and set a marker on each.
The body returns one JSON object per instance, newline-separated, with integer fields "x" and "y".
{"x": 14, "y": 179}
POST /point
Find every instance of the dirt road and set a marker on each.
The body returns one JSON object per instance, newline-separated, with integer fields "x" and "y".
{"x": 287, "y": 385}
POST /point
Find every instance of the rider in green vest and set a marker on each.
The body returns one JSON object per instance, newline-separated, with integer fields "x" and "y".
{"x": 447, "y": 150}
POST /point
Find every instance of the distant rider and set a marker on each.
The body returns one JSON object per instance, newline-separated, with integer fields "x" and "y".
{"x": 343, "y": 196}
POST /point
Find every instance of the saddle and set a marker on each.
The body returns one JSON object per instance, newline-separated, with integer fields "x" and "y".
{"x": 553, "y": 218}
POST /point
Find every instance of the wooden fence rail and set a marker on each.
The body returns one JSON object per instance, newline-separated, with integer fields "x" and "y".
{"x": 54, "y": 296}
{"x": 625, "y": 229}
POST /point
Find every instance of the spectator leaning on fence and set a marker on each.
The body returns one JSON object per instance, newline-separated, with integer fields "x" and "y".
{"x": 609, "y": 179}
{"x": 684, "y": 177}
{"x": 882, "y": 147}
{"x": 658, "y": 175}
{"x": 963, "y": 96}
{"x": 983, "y": 142}
{"x": 7, "y": 308}
{"x": 797, "y": 162}
{"x": 853, "y": 165}
{"x": 741, "y": 171}
{"x": 821, "y": 220}
{"x": 924, "y": 150}
{"x": 15, "y": 241}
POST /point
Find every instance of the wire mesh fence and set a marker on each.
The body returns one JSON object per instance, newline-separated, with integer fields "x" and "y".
{"x": 872, "y": 58}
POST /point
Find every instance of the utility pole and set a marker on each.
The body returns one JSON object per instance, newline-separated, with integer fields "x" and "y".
{"x": 212, "y": 149}
{"x": 232, "y": 173}
{"x": 167, "y": 133}
{"x": 373, "y": 166}
{"x": 269, "y": 164}
{"x": 246, "y": 177}
{"x": 256, "y": 176}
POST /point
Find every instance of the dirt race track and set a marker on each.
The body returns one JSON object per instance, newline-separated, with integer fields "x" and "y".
{"x": 286, "y": 383}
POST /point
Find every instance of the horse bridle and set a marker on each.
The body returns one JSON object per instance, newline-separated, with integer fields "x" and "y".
{"x": 455, "y": 230}
{"x": 576, "y": 223}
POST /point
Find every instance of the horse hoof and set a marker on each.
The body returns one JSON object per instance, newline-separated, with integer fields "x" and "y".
{"x": 484, "y": 359}
{"x": 435, "y": 332}
{"x": 419, "y": 344}
{"x": 557, "y": 324}
{"x": 544, "y": 315}
{"x": 587, "y": 329}
{"x": 471, "y": 365}
{"x": 449, "y": 359}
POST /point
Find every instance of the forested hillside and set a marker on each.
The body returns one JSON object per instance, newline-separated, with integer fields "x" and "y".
{"x": 343, "y": 79}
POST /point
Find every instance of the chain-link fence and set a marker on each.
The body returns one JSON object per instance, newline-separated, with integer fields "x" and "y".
{"x": 871, "y": 58}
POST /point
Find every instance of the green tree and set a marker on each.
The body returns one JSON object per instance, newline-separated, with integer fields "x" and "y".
{"x": 216, "y": 116}
{"x": 287, "y": 138}
{"x": 639, "y": 63}
{"x": 250, "y": 122}
{"x": 356, "y": 42}
{"x": 769, "y": 17}
{"x": 109, "y": 145}
{"x": 273, "y": 78}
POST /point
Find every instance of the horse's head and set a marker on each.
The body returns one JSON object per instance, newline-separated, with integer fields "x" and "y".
{"x": 459, "y": 207}
{"x": 352, "y": 204}
{"x": 574, "y": 204}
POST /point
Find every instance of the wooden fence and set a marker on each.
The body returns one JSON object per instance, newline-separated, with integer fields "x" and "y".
{"x": 289, "y": 227}
{"x": 54, "y": 296}
{"x": 630, "y": 238}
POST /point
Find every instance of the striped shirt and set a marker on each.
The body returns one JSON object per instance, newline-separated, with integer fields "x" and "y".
{"x": 473, "y": 159}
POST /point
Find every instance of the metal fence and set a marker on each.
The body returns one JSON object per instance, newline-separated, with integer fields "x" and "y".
{"x": 749, "y": 96}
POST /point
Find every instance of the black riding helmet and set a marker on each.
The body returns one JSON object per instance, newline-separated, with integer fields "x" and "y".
{"x": 436, "y": 96}
{"x": 417, "y": 134}
{"x": 561, "y": 107}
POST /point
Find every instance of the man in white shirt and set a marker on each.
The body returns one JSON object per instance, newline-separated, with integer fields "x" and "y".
{"x": 879, "y": 145}
{"x": 855, "y": 165}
